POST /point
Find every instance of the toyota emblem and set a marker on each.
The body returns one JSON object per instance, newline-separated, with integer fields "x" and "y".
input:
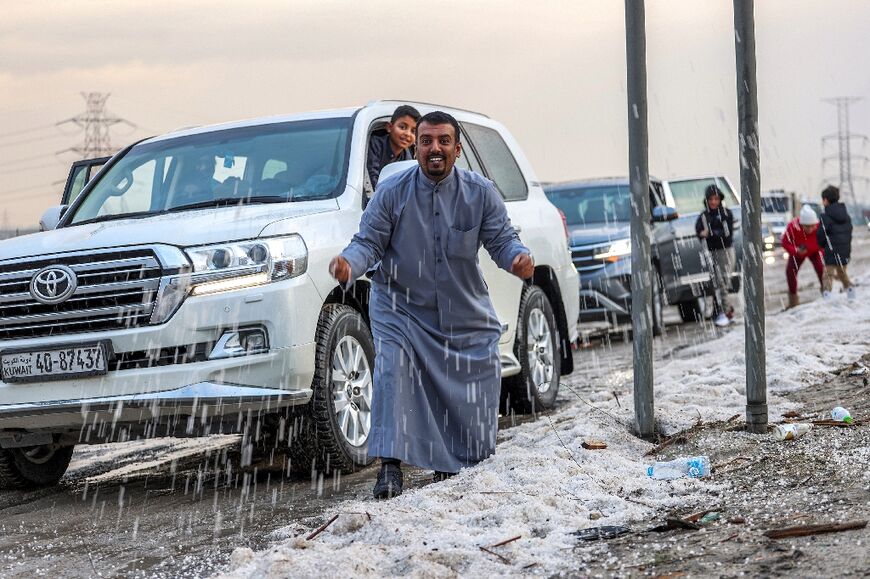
{"x": 53, "y": 284}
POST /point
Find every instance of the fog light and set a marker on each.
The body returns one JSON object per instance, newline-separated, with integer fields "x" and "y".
{"x": 240, "y": 342}
{"x": 254, "y": 340}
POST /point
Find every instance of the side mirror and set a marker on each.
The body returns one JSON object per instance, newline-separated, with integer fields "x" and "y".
{"x": 51, "y": 217}
{"x": 662, "y": 213}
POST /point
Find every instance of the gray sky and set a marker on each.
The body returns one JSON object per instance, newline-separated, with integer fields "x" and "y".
{"x": 552, "y": 71}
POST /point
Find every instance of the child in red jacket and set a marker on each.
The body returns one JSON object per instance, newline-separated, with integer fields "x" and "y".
{"x": 800, "y": 242}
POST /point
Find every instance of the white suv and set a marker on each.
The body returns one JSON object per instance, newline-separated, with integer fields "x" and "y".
{"x": 185, "y": 292}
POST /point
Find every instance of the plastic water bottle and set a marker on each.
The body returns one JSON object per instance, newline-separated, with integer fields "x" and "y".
{"x": 692, "y": 467}
{"x": 840, "y": 414}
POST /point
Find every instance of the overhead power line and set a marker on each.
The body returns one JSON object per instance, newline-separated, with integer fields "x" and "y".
{"x": 30, "y": 140}
{"x": 26, "y": 131}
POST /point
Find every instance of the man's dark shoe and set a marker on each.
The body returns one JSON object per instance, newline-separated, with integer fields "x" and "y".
{"x": 442, "y": 476}
{"x": 389, "y": 483}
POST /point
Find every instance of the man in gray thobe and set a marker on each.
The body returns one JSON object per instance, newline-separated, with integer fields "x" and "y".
{"x": 437, "y": 374}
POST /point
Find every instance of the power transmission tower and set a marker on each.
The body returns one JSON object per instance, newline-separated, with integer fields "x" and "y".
{"x": 96, "y": 122}
{"x": 844, "y": 155}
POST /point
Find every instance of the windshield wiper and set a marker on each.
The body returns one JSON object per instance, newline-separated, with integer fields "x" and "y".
{"x": 113, "y": 216}
{"x": 222, "y": 202}
{"x": 225, "y": 201}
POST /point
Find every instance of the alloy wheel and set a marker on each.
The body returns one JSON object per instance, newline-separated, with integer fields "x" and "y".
{"x": 352, "y": 390}
{"x": 540, "y": 349}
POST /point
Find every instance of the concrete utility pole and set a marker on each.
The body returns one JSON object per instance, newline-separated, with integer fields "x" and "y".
{"x": 638, "y": 164}
{"x": 750, "y": 202}
{"x": 96, "y": 122}
{"x": 844, "y": 156}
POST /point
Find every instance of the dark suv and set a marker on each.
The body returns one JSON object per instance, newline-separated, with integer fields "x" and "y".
{"x": 598, "y": 213}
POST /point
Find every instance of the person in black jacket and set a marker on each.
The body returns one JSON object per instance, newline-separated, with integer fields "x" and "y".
{"x": 396, "y": 145}
{"x": 835, "y": 238}
{"x": 715, "y": 225}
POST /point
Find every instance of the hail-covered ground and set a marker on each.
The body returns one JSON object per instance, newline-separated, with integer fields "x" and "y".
{"x": 543, "y": 486}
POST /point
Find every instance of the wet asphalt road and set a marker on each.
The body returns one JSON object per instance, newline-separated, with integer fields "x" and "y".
{"x": 179, "y": 507}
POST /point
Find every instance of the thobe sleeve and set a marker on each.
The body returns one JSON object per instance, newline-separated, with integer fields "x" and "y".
{"x": 496, "y": 232}
{"x": 375, "y": 229}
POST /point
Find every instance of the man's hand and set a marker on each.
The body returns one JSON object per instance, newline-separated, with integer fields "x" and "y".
{"x": 704, "y": 234}
{"x": 523, "y": 266}
{"x": 339, "y": 268}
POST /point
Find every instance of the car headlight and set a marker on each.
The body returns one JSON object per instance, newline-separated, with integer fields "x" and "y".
{"x": 232, "y": 266}
{"x": 769, "y": 239}
{"x": 616, "y": 250}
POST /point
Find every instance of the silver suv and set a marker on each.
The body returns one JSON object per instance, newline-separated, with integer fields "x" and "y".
{"x": 185, "y": 292}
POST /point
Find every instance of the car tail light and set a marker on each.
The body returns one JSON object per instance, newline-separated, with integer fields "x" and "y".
{"x": 565, "y": 226}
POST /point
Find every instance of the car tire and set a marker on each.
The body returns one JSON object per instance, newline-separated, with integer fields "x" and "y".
{"x": 537, "y": 348}
{"x": 691, "y": 310}
{"x": 33, "y": 467}
{"x": 333, "y": 433}
{"x": 658, "y": 304}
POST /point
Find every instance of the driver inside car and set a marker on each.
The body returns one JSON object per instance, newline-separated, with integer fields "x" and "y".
{"x": 199, "y": 184}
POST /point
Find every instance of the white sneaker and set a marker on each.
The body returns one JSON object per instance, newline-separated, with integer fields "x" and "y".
{"x": 850, "y": 293}
{"x": 722, "y": 321}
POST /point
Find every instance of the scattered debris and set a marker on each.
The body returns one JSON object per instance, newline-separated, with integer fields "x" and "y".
{"x": 506, "y": 541}
{"x": 595, "y": 515}
{"x": 605, "y": 532}
{"x": 791, "y": 431}
{"x": 592, "y": 444}
{"x": 737, "y": 520}
{"x": 835, "y": 423}
{"x": 840, "y": 414}
{"x": 695, "y": 517}
{"x": 504, "y": 560}
{"x": 805, "y": 530}
{"x": 710, "y": 517}
{"x": 672, "y": 523}
{"x": 692, "y": 467}
{"x": 321, "y": 528}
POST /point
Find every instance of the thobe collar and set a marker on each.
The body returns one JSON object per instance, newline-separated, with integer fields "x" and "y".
{"x": 443, "y": 183}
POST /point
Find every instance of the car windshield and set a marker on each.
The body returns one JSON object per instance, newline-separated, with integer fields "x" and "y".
{"x": 594, "y": 204}
{"x": 272, "y": 163}
{"x": 774, "y": 204}
{"x": 689, "y": 194}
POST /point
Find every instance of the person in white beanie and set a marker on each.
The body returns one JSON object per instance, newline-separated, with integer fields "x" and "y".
{"x": 801, "y": 243}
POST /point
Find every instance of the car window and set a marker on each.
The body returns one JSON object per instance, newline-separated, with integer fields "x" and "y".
{"x": 468, "y": 159}
{"x": 287, "y": 162}
{"x": 498, "y": 161}
{"x": 774, "y": 204}
{"x": 78, "y": 182}
{"x": 137, "y": 188}
{"x": 601, "y": 204}
{"x": 689, "y": 194}
{"x": 272, "y": 167}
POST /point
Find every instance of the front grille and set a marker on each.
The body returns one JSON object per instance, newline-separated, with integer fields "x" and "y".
{"x": 116, "y": 289}
{"x": 582, "y": 255}
{"x": 163, "y": 357}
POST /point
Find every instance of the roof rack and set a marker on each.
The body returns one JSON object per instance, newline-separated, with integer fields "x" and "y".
{"x": 413, "y": 102}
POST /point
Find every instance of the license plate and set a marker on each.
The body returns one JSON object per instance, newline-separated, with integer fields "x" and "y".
{"x": 54, "y": 363}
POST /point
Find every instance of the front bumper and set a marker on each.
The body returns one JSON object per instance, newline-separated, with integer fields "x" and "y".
{"x": 210, "y": 405}
{"x": 283, "y": 373}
